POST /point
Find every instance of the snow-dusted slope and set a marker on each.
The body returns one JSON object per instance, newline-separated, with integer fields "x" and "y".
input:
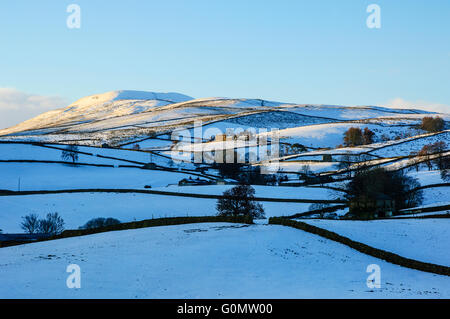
{"x": 123, "y": 115}
{"x": 100, "y": 106}
{"x": 429, "y": 237}
{"x": 206, "y": 261}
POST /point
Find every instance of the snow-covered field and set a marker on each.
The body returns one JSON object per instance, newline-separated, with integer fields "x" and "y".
{"x": 436, "y": 196}
{"x": 77, "y": 209}
{"x": 406, "y": 146}
{"x": 206, "y": 261}
{"x": 347, "y": 113}
{"x": 312, "y": 166}
{"x": 41, "y": 176}
{"x": 426, "y": 240}
{"x": 260, "y": 191}
{"x": 427, "y": 177}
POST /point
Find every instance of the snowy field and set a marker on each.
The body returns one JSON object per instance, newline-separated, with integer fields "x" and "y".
{"x": 40, "y": 176}
{"x": 332, "y": 134}
{"x": 406, "y": 146}
{"x": 347, "y": 113}
{"x": 313, "y": 166}
{"x": 426, "y": 240}
{"x": 206, "y": 261}
{"x": 41, "y": 153}
{"x": 426, "y": 177}
{"x": 436, "y": 196}
{"x": 278, "y": 119}
{"x": 77, "y": 209}
{"x": 260, "y": 191}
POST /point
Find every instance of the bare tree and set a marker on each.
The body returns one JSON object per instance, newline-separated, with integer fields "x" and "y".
{"x": 414, "y": 160}
{"x": 439, "y": 147}
{"x": 345, "y": 164}
{"x": 425, "y": 154}
{"x": 306, "y": 170}
{"x": 70, "y": 153}
{"x": 52, "y": 225}
{"x": 445, "y": 168}
{"x": 30, "y": 223}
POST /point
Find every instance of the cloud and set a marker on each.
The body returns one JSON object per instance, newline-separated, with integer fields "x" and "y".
{"x": 17, "y": 106}
{"x": 400, "y": 103}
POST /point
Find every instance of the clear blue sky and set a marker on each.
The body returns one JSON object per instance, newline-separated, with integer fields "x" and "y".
{"x": 286, "y": 50}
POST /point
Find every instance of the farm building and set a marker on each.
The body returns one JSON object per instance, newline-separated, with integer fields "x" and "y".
{"x": 380, "y": 205}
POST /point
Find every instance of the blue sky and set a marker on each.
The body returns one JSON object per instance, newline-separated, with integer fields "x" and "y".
{"x": 285, "y": 50}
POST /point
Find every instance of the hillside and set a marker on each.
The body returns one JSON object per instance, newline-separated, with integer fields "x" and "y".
{"x": 145, "y": 155}
{"x": 119, "y": 117}
{"x": 99, "y": 107}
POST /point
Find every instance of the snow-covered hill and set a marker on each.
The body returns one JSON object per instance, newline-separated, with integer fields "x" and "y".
{"x": 98, "y": 107}
{"x": 125, "y": 114}
{"x": 126, "y": 145}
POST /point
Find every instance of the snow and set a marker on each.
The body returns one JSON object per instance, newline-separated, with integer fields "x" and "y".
{"x": 77, "y": 208}
{"x": 38, "y": 176}
{"x": 427, "y": 177}
{"x": 110, "y": 104}
{"x": 206, "y": 261}
{"x": 405, "y": 163}
{"x": 436, "y": 196}
{"x": 426, "y": 240}
{"x": 313, "y": 193}
{"x": 346, "y": 113}
{"x": 313, "y": 166}
{"x": 53, "y": 153}
{"x": 275, "y": 119}
{"x": 332, "y": 134}
{"x": 151, "y": 144}
{"x": 409, "y": 145}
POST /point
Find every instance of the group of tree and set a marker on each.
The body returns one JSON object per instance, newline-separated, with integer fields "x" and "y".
{"x": 240, "y": 201}
{"x": 354, "y": 136}
{"x": 100, "y": 222}
{"x": 53, "y": 224}
{"x": 432, "y": 124}
{"x": 229, "y": 170}
{"x": 247, "y": 174}
{"x": 297, "y": 148}
{"x": 371, "y": 183}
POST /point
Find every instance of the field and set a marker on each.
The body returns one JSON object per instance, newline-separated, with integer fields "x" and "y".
{"x": 406, "y": 238}
{"x": 206, "y": 261}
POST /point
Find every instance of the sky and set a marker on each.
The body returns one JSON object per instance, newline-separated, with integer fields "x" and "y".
{"x": 295, "y": 51}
